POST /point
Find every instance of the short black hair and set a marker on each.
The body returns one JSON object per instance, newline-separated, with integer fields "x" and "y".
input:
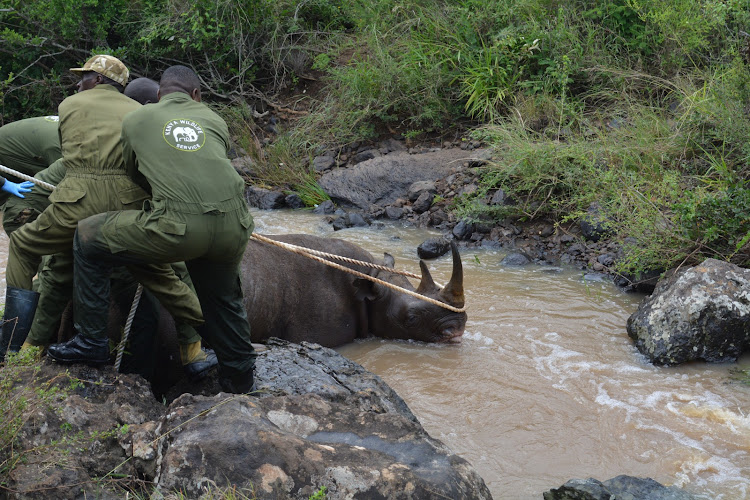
{"x": 143, "y": 90}
{"x": 179, "y": 78}
{"x": 109, "y": 81}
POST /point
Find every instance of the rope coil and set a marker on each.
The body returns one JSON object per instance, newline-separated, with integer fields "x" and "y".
{"x": 317, "y": 255}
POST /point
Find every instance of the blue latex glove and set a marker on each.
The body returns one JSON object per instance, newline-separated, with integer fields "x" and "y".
{"x": 17, "y": 189}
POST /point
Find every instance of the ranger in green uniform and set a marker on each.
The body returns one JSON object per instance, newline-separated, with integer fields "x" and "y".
{"x": 28, "y": 146}
{"x": 95, "y": 181}
{"x": 197, "y": 214}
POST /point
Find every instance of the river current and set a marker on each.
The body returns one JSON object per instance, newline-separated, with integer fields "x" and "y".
{"x": 546, "y": 386}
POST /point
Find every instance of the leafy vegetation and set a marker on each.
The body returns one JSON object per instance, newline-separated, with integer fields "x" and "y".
{"x": 639, "y": 106}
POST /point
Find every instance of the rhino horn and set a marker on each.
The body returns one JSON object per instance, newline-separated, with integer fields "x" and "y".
{"x": 388, "y": 260}
{"x": 453, "y": 293}
{"x": 427, "y": 285}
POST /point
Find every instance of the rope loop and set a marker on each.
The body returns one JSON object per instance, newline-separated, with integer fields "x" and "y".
{"x": 317, "y": 255}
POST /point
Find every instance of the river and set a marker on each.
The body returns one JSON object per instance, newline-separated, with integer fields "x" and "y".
{"x": 546, "y": 385}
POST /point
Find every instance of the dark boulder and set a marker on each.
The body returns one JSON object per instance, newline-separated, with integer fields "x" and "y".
{"x": 347, "y": 220}
{"x": 367, "y": 154}
{"x": 433, "y": 248}
{"x": 644, "y": 282}
{"x": 700, "y": 313}
{"x": 594, "y": 225}
{"x": 264, "y": 198}
{"x": 326, "y": 207}
{"x": 423, "y": 203}
{"x": 419, "y": 188}
{"x": 394, "y": 212}
{"x": 515, "y": 259}
{"x": 323, "y": 163}
{"x": 618, "y": 488}
{"x": 294, "y": 201}
{"x": 463, "y": 230}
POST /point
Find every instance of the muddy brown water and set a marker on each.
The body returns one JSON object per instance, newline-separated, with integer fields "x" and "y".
{"x": 546, "y": 386}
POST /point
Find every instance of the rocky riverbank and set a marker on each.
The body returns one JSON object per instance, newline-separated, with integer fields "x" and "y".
{"x": 368, "y": 184}
{"x": 317, "y": 422}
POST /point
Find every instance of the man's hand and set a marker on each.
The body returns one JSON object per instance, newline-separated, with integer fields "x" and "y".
{"x": 17, "y": 189}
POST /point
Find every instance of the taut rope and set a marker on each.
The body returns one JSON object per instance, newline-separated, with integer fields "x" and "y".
{"x": 25, "y": 177}
{"x": 316, "y": 255}
{"x": 138, "y": 292}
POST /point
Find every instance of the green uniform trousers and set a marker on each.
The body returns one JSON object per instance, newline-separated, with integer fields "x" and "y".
{"x": 211, "y": 244}
{"x": 56, "y": 288}
{"x": 52, "y": 233}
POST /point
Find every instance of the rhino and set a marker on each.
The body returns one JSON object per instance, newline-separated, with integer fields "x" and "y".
{"x": 298, "y": 299}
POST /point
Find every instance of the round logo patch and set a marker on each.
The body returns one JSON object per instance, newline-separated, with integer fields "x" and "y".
{"x": 52, "y": 118}
{"x": 183, "y": 134}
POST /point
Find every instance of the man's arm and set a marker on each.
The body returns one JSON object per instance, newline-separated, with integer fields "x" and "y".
{"x": 131, "y": 163}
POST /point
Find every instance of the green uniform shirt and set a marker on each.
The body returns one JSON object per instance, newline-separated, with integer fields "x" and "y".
{"x": 29, "y": 145}
{"x": 182, "y": 151}
{"x": 53, "y": 174}
{"x": 90, "y": 138}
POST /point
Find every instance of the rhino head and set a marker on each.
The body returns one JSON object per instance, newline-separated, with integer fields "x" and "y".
{"x": 396, "y": 315}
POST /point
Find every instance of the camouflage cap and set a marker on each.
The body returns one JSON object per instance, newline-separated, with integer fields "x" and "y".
{"x": 108, "y": 66}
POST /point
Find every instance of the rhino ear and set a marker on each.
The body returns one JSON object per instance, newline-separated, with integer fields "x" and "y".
{"x": 365, "y": 289}
{"x": 388, "y": 260}
{"x": 453, "y": 293}
{"x": 427, "y": 285}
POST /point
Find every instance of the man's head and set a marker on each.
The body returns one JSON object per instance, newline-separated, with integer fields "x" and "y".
{"x": 102, "y": 69}
{"x": 143, "y": 90}
{"x": 180, "y": 79}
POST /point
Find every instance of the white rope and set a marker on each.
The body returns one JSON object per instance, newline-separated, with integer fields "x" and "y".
{"x": 295, "y": 248}
{"x": 312, "y": 254}
{"x": 138, "y": 292}
{"x": 25, "y": 177}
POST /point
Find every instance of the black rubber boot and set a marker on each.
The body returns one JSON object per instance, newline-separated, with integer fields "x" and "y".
{"x": 199, "y": 369}
{"x": 80, "y": 349}
{"x": 20, "y": 306}
{"x": 237, "y": 383}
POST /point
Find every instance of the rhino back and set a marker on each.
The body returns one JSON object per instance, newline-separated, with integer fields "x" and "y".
{"x": 296, "y": 298}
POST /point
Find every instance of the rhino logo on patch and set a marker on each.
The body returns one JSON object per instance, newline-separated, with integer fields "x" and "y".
{"x": 184, "y": 135}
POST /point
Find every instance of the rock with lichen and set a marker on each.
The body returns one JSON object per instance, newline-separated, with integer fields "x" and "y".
{"x": 700, "y": 313}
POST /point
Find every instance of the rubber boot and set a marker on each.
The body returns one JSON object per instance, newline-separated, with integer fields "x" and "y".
{"x": 20, "y": 306}
{"x": 237, "y": 383}
{"x": 81, "y": 349}
{"x": 196, "y": 361}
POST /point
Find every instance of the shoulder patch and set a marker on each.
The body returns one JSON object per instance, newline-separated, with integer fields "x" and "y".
{"x": 184, "y": 135}
{"x": 52, "y": 118}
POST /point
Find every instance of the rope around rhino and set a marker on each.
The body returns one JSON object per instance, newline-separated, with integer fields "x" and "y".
{"x": 313, "y": 254}
{"x": 138, "y": 291}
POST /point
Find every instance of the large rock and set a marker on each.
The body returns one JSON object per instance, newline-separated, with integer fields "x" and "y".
{"x": 319, "y": 420}
{"x": 617, "y": 488}
{"x": 264, "y": 198}
{"x": 382, "y": 180}
{"x": 702, "y": 313}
